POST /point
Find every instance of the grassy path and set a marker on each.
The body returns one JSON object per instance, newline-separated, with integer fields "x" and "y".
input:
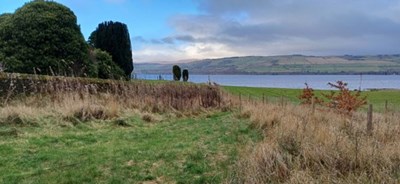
{"x": 198, "y": 150}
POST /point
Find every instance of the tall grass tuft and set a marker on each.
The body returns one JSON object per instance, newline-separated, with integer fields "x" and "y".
{"x": 88, "y": 99}
{"x": 325, "y": 147}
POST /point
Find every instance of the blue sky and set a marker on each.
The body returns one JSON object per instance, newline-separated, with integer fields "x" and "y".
{"x": 184, "y": 30}
{"x": 146, "y": 18}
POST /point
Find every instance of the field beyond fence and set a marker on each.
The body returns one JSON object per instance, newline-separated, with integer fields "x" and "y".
{"x": 382, "y": 100}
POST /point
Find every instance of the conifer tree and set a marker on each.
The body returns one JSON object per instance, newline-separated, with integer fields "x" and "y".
{"x": 113, "y": 37}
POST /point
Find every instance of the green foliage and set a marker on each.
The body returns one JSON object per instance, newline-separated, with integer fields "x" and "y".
{"x": 4, "y": 18}
{"x": 113, "y": 37}
{"x": 43, "y": 37}
{"x": 4, "y": 21}
{"x": 185, "y": 75}
{"x": 103, "y": 67}
{"x": 176, "y": 71}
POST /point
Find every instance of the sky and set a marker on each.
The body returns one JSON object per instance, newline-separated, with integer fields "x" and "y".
{"x": 166, "y": 31}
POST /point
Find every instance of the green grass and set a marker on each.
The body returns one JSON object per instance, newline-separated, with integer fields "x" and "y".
{"x": 377, "y": 98}
{"x": 193, "y": 150}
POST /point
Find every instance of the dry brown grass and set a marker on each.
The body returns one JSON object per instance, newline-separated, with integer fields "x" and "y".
{"x": 27, "y": 98}
{"x": 323, "y": 148}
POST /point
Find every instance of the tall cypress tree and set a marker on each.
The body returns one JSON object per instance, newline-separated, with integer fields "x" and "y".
{"x": 114, "y": 38}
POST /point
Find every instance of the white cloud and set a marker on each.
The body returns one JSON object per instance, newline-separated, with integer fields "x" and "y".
{"x": 272, "y": 27}
{"x": 171, "y": 53}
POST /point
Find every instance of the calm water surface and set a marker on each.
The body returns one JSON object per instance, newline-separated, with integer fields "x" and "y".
{"x": 293, "y": 81}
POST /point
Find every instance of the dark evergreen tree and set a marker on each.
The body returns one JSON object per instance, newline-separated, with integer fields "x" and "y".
{"x": 4, "y": 18}
{"x": 4, "y": 21}
{"x": 185, "y": 75}
{"x": 43, "y": 37}
{"x": 176, "y": 71}
{"x": 113, "y": 37}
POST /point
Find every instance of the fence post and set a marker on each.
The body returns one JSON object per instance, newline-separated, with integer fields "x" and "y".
{"x": 386, "y": 106}
{"x": 313, "y": 105}
{"x": 263, "y": 99}
{"x": 386, "y": 111}
{"x": 240, "y": 101}
{"x": 369, "y": 120}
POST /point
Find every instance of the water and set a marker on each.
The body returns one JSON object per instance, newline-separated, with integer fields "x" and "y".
{"x": 362, "y": 82}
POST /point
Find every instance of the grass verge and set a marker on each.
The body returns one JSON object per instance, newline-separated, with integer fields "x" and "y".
{"x": 193, "y": 150}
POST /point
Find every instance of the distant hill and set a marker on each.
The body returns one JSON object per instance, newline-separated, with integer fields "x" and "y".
{"x": 291, "y": 64}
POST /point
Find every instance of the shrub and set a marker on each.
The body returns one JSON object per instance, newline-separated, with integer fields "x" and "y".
{"x": 176, "y": 71}
{"x": 343, "y": 101}
{"x": 185, "y": 75}
{"x": 103, "y": 67}
{"x": 307, "y": 96}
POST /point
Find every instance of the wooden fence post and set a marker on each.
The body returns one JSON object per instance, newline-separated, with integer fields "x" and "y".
{"x": 263, "y": 99}
{"x": 313, "y": 105}
{"x": 369, "y": 120}
{"x": 240, "y": 101}
{"x": 386, "y": 106}
{"x": 386, "y": 111}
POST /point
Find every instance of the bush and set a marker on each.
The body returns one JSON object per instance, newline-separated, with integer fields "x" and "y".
{"x": 176, "y": 71}
{"x": 185, "y": 75}
{"x": 344, "y": 101}
{"x": 307, "y": 96}
{"x": 103, "y": 67}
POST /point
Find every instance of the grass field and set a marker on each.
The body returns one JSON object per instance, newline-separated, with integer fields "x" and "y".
{"x": 199, "y": 150}
{"x": 377, "y": 98}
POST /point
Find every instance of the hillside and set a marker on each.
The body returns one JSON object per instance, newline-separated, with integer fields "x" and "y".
{"x": 291, "y": 64}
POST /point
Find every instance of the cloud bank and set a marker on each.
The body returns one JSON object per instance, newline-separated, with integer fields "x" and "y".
{"x": 277, "y": 27}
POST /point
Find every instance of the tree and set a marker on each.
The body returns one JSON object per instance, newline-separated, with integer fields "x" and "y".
{"x": 185, "y": 75}
{"x": 4, "y": 18}
{"x": 342, "y": 100}
{"x": 103, "y": 67}
{"x": 43, "y": 37}
{"x": 176, "y": 71}
{"x": 113, "y": 37}
{"x": 4, "y": 21}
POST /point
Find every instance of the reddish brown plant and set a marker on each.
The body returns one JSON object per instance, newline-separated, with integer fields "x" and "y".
{"x": 307, "y": 96}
